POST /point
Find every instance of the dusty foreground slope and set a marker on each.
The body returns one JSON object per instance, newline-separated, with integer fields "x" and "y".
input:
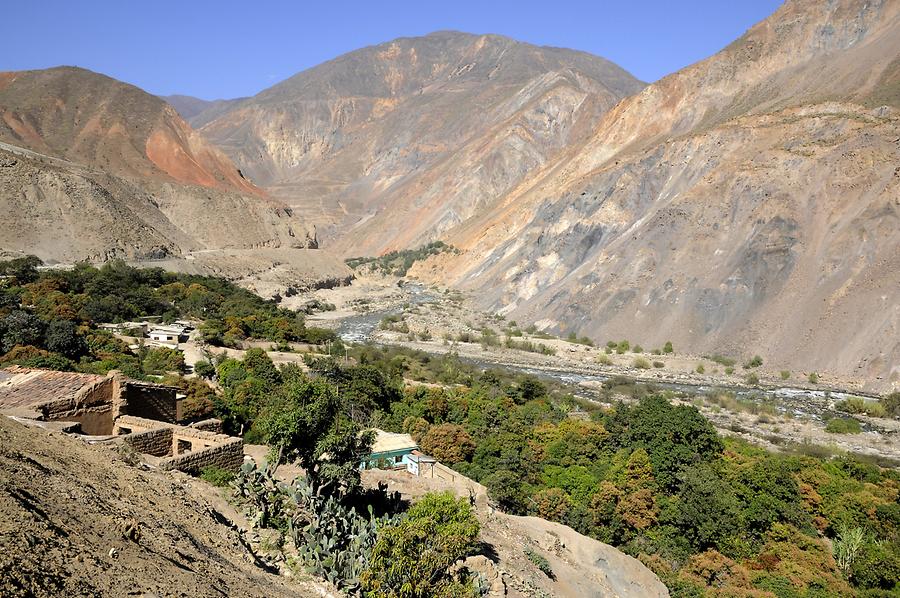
{"x": 92, "y": 168}
{"x": 65, "y": 512}
{"x": 747, "y": 204}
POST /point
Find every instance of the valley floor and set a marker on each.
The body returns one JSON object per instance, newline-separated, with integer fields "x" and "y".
{"x": 777, "y": 413}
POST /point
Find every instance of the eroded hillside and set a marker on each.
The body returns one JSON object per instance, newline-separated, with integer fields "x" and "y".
{"x": 749, "y": 203}
{"x": 92, "y": 168}
{"x": 393, "y": 144}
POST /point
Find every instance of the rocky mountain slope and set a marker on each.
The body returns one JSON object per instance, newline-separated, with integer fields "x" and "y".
{"x": 92, "y": 168}
{"x": 747, "y": 204}
{"x": 77, "y": 521}
{"x": 390, "y": 145}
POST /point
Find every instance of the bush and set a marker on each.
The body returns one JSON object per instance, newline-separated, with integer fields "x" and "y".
{"x": 891, "y": 404}
{"x": 843, "y": 425}
{"x": 755, "y": 362}
{"x": 857, "y": 405}
{"x": 641, "y": 363}
{"x": 540, "y": 562}
{"x": 813, "y": 378}
{"x": 729, "y": 370}
{"x": 413, "y": 557}
{"x": 700, "y": 369}
{"x": 752, "y": 379}
{"x": 785, "y": 374}
{"x": 622, "y": 347}
{"x": 721, "y": 360}
{"x": 217, "y": 476}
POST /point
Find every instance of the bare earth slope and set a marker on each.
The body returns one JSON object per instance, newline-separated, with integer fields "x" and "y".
{"x": 65, "y": 514}
{"x": 92, "y": 168}
{"x": 747, "y": 204}
{"x": 390, "y": 145}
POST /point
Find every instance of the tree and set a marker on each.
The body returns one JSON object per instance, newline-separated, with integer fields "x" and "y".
{"x": 22, "y": 269}
{"x": 552, "y": 504}
{"x": 707, "y": 511}
{"x": 412, "y": 558}
{"x": 62, "y": 337}
{"x": 638, "y": 471}
{"x": 259, "y": 365}
{"x": 449, "y": 443}
{"x": 531, "y": 389}
{"x": 638, "y": 509}
{"x": 506, "y": 489}
{"x": 21, "y": 328}
{"x": 305, "y": 423}
{"x": 205, "y": 369}
{"x": 675, "y": 437}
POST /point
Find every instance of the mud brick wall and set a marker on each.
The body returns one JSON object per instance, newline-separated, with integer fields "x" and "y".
{"x": 151, "y": 402}
{"x": 152, "y": 442}
{"x": 209, "y": 425}
{"x": 228, "y": 455}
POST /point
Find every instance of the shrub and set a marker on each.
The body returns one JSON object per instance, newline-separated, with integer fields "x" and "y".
{"x": 843, "y": 425}
{"x": 413, "y": 557}
{"x": 813, "y": 378}
{"x": 857, "y": 405}
{"x": 729, "y": 370}
{"x": 540, "y": 562}
{"x": 217, "y": 476}
{"x": 785, "y": 374}
{"x": 721, "y": 360}
{"x": 638, "y": 349}
{"x": 755, "y": 362}
{"x": 752, "y": 379}
{"x": 622, "y": 347}
{"x": 667, "y": 349}
{"x": 604, "y": 360}
{"x": 641, "y": 363}
{"x": 700, "y": 369}
{"x": 891, "y": 404}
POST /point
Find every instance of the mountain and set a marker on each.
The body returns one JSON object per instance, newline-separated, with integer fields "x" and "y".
{"x": 197, "y": 111}
{"x": 749, "y": 203}
{"x": 391, "y": 145}
{"x": 92, "y": 168}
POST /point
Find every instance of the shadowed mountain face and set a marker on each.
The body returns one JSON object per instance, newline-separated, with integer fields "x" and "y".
{"x": 92, "y": 168}
{"x": 391, "y": 145}
{"x": 747, "y": 204}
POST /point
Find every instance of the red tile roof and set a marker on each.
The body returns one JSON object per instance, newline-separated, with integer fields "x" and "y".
{"x": 27, "y": 387}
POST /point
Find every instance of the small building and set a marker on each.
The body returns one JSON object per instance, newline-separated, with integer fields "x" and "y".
{"x": 420, "y": 464}
{"x": 390, "y": 451}
{"x": 168, "y": 335}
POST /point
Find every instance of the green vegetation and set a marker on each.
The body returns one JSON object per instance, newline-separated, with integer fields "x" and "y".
{"x": 755, "y": 362}
{"x": 751, "y": 379}
{"x": 540, "y": 562}
{"x": 668, "y": 349}
{"x": 217, "y": 476}
{"x": 398, "y": 263}
{"x": 785, "y": 374}
{"x": 721, "y": 360}
{"x": 813, "y": 378}
{"x": 858, "y": 405}
{"x": 583, "y": 340}
{"x": 843, "y": 425}
{"x": 891, "y": 404}
{"x": 641, "y": 363}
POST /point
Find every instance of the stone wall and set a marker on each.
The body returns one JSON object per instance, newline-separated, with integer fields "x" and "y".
{"x": 229, "y": 455}
{"x": 152, "y": 442}
{"x": 90, "y": 406}
{"x": 188, "y": 449}
{"x": 150, "y": 401}
{"x": 210, "y": 425}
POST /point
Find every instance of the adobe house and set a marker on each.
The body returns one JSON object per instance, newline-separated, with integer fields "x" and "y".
{"x": 115, "y": 406}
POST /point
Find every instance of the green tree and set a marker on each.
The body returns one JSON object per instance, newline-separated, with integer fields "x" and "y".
{"x": 22, "y": 329}
{"x": 448, "y": 443}
{"x": 305, "y": 423}
{"x": 507, "y": 490}
{"x": 707, "y": 511}
{"x": 412, "y": 558}
{"x": 62, "y": 337}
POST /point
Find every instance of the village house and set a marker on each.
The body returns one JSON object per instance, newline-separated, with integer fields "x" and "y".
{"x": 116, "y": 409}
{"x": 170, "y": 334}
{"x": 390, "y": 450}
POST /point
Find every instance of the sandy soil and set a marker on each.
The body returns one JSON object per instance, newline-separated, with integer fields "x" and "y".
{"x": 77, "y": 521}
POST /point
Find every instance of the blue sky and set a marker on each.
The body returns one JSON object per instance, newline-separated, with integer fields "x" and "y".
{"x": 229, "y": 49}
